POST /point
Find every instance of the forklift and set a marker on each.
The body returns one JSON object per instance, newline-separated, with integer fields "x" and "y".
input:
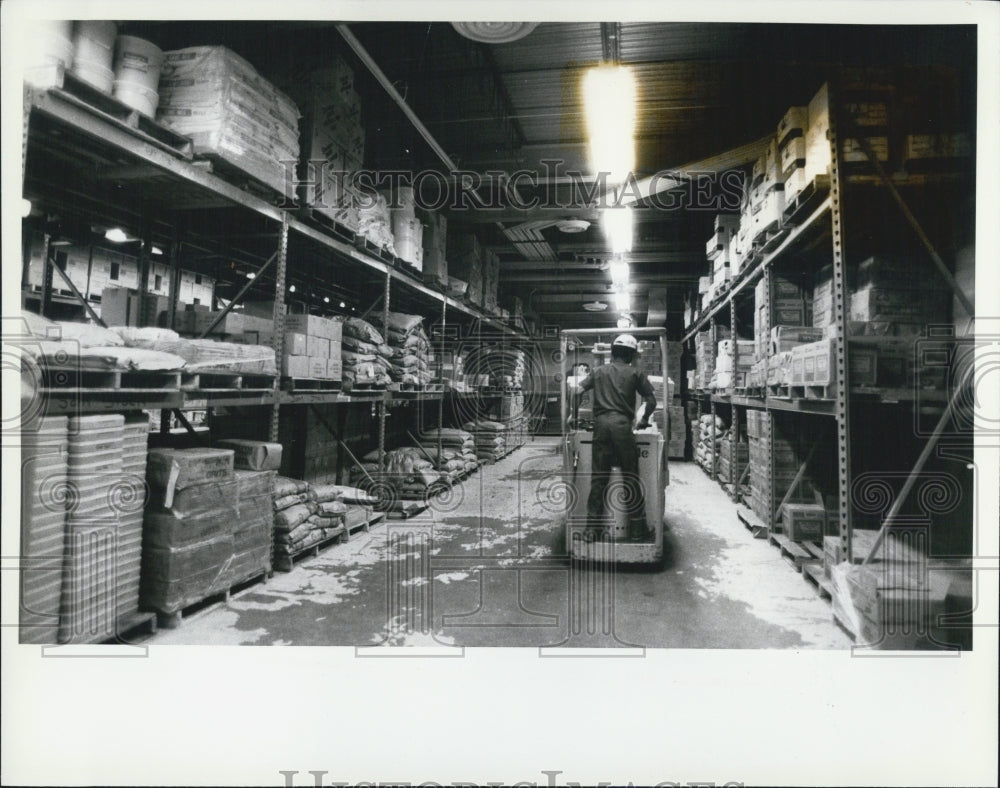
{"x": 582, "y": 350}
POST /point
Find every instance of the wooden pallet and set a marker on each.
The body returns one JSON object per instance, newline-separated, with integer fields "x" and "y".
{"x": 173, "y": 619}
{"x": 771, "y": 239}
{"x": 242, "y": 179}
{"x": 815, "y": 550}
{"x": 365, "y": 389}
{"x": 309, "y": 214}
{"x": 417, "y": 388}
{"x": 403, "y": 510}
{"x": 225, "y": 382}
{"x": 814, "y": 574}
{"x": 87, "y": 380}
{"x": 285, "y": 563}
{"x": 813, "y": 391}
{"x": 801, "y": 206}
{"x": 310, "y": 384}
{"x": 75, "y": 91}
{"x": 371, "y": 521}
{"x": 791, "y": 551}
{"x": 362, "y": 243}
{"x": 757, "y": 527}
{"x": 780, "y": 391}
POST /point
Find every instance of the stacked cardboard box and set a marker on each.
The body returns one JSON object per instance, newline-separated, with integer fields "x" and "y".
{"x": 725, "y": 469}
{"x": 896, "y": 297}
{"x": 676, "y": 432}
{"x": 375, "y": 220}
{"x": 465, "y": 262}
{"x": 312, "y": 347}
{"x": 759, "y": 455}
{"x": 491, "y": 280}
{"x": 252, "y": 531}
{"x": 332, "y": 139}
{"x": 218, "y": 99}
{"x": 187, "y": 545}
{"x": 435, "y": 247}
{"x": 704, "y": 359}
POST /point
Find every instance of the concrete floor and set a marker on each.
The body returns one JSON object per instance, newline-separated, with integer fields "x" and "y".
{"x": 487, "y": 567}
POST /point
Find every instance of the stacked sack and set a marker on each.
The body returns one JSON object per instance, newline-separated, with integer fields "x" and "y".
{"x": 409, "y": 348}
{"x": 358, "y": 504}
{"x": 407, "y": 470}
{"x": 460, "y": 441}
{"x": 187, "y": 539}
{"x": 216, "y": 98}
{"x": 365, "y": 355}
{"x": 252, "y": 532}
{"x": 705, "y": 450}
{"x": 490, "y": 437}
{"x": 304, "y": 516}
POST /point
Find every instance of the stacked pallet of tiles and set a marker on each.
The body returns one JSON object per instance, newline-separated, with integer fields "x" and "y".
{"x": 43, "y": 527}
{"x": 134, "y": 454}
{"x": 759, "y": 436}
{"x": 92, "y": 564}
{"x": 187, "y": 543}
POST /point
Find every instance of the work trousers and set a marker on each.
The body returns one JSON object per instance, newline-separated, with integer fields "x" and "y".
{"x": 614, "y": 444}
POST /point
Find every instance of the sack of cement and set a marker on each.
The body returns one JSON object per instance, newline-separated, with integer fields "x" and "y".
{"x": 176, "y": 469}
{"x": 253, "y": 455}
{"x": 283, "y": 486}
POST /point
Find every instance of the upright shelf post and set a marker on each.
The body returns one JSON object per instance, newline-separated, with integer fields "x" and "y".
{"x": 765, "y": 326}
{"x": 840, "y": 314}
{"x": 278, "y": 317}
{"x": 714, "y": 474}
{"x": 382, "y": 410}
{"x": 734, "y": 424}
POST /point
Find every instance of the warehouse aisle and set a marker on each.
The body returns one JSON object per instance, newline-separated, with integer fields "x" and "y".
{"x": 486, "y": 568}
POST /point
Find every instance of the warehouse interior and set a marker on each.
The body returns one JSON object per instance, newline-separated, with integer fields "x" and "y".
{"x": 304, "y": 306}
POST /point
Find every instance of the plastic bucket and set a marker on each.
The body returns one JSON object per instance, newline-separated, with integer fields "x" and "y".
{"x": 137, "y": 63}
{"x": 137, "y": 97}
{"x": 94, "y": 42}
{"x": 94, "y": 75}
{"x": 50, "y": 42}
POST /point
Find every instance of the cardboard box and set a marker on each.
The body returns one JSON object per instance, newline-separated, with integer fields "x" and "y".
{"x": 120, "y": 306}
{"x": 851, "y": 151}
{"x": 923, "y": 147}
{"x": 793, "y": 124}
{"x": 863, "y": 366}
{"x": 313, "y": 325}
{"x": 253, "y": 455}
{"x": 785, "y": 316}
{"x": 334, "y": 368}
{"x": 792, "y": 155}
{"x": 317, "y": 367}
{"x": 296, "y": 366}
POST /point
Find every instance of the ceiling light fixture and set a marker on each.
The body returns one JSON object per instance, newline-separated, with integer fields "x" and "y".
{"x": 572, "y": 225}
{"x": 595, "y": 306}
{"x": 609, "y": 99}
{"x": 494, "y": 32}
{"x": 117, "y": 235}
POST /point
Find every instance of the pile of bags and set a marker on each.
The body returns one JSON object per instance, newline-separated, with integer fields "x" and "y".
{"x": 459, "y": 441}
{"x": 366, "y": 357}
{"x": 409, "y": 348}
{"x": 705, "y": 450}
{"x": 490, "y": 438}
{"x": 408, "y": 470}
{"x": 304, "y": 515}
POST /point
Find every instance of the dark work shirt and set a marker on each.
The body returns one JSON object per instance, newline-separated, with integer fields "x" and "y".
{"x": 615, "y": 387}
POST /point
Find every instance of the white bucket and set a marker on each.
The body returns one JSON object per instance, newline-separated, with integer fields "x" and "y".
{"x": 50, "y": 43}
{"x": 137, "y": 62}
{"x": 94, "y": 42}
{"x": 137, "y": 97}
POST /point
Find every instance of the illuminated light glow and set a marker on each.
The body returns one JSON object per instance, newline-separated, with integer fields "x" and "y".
{"x": 326, "y": 299}
{"x": 25, "y": 208}
{"x": 617, "y": 223}
{"x": 625, "y": 322}
{"x": 116, "y": 235}
{"x": 609, "y": 102}
{"x": 623, "y": 301}
{"x": 251, "y": 275}
{"x": 342, "y": 304}
{"x": 156, "y": 250}
{"x": 619, "y": 273}
{"x": 291, "y": 289}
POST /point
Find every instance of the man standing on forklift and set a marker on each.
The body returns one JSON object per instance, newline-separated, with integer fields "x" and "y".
{"x": 614, "y": 387}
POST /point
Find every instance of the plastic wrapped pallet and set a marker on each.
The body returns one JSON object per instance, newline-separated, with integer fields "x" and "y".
{"x": 43, "y": 528}
{"x": 219, "y": 100}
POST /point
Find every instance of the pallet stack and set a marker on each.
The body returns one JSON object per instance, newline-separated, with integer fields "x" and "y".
{"x": 92, "y": 567}
{"x": 301, "y": 520}
{"x": 253, "y": 529}
{"x": 134, "y": 454}
{"x": 365, "y": 355}
{"x": 187, "y": 545}
{"x": 410, "y": 354}
{"x": 759, "y": 455}
{"x": 490, "y": 437}
{"x": 706, "y": 449}
{"x": 229, "y": 111}
{"x": 43, "y": 527}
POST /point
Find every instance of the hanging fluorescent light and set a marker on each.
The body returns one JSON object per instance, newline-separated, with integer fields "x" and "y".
{"x": 117, "y": 235}
{"x": 623, "y": 301}
{"x": 156, "y": 250}
{"x": 618, "y": 228}
{"x": 609, "y": 99}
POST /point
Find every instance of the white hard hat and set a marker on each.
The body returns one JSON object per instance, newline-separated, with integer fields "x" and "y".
{"x": 625, "y": 340}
